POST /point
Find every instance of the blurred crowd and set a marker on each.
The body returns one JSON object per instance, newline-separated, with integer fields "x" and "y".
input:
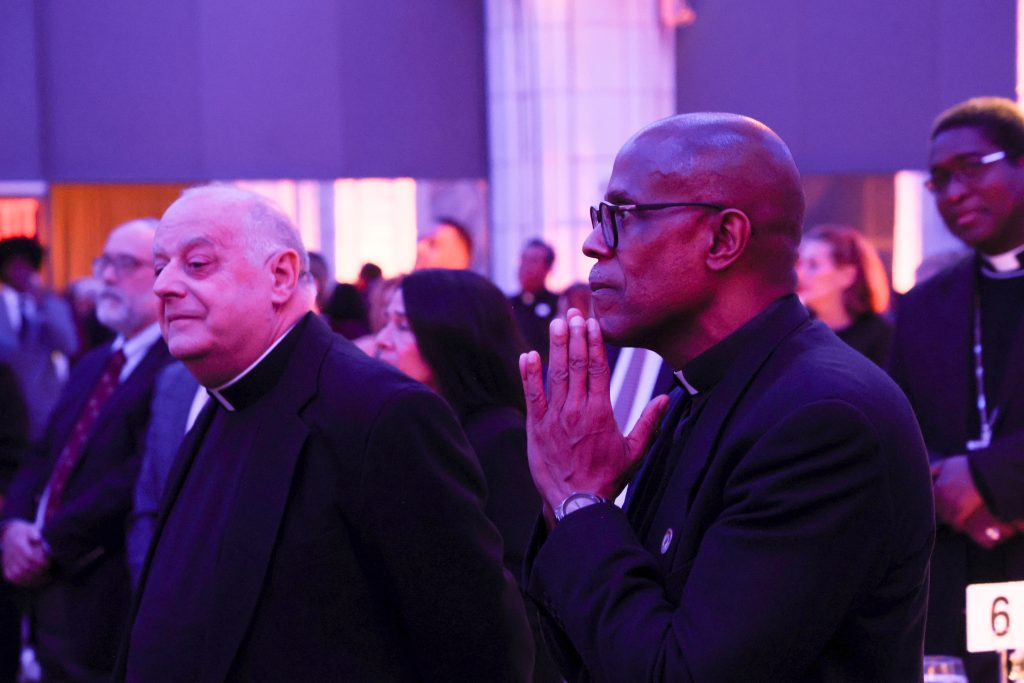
{"x": 111, "y": 396}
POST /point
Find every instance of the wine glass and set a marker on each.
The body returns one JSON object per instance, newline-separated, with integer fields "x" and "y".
{"x": 944, "y": 669}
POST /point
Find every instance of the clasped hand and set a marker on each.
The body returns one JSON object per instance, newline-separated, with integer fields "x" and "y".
{"x": 959, "y": 504}
{"x": 572, "y": 439}
{"x": 25, "y": 560}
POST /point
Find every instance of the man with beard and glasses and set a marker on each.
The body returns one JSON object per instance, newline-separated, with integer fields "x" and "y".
{"x": 66, "y": 509}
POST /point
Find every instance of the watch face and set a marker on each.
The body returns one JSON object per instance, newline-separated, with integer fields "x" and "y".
{"x": 577, "y": 503}
{"x": 574, "y": 502}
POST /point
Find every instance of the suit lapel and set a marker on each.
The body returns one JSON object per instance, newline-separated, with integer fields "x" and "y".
{"x": 250, "y": 536}
{"x": 126, "y": 394}
{"x": 950, "y": 358}
{"x": 141, "y": 379}
{"x": 700, "y": 446}
{"x": 260, "y": 501}
{"x": 175, "y": 479}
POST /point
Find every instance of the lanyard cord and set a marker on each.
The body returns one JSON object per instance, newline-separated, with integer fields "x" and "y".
{"x": 984, "y": 421}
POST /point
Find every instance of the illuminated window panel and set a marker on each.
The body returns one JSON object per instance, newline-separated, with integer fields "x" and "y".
{"x": 19, "y": 217}
{"x": 375, "y": 221}
{"x": 299, "y": 199}
{"x": 907, "y": 238}
{"x": 351, "y": 221}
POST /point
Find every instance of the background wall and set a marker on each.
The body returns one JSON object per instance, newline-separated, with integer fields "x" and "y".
{"x": 156, "y": 91}
{"x": 852, "y": 86}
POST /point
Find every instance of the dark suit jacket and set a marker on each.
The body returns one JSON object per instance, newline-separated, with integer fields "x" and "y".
{"x": 498, "y": 437}
{"x": 29, "y": 355}
{"x": 172, "y": 399}
{"x": 933, "y": 363}
{"x": 791, "y": 542}
{"x": 79, "y": 615}
{"x": 357, "y": 547}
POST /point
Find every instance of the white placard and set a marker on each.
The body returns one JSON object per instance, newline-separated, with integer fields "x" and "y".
{"x": 995, "y": 616}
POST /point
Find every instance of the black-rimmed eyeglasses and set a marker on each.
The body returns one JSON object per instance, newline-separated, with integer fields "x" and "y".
{"x": 605, "y": 216}
{"x": 123, "y": 264}
{"x": 967, "y": 169}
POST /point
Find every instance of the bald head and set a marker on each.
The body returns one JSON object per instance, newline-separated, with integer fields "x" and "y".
{"x": 261, "y": 226}
{"x": 733, "y": 161}
{"x": 711, "y": 241}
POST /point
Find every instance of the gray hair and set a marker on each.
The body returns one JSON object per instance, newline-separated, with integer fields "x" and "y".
{"x": 268, "y": 229}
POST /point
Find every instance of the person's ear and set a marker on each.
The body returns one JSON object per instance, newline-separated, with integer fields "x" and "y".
{"x": 285, "y": 271}
{"x": 730, "y": 235}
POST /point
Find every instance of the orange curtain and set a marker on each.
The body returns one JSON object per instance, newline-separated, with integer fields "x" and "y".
{"x": 81, "y": 217}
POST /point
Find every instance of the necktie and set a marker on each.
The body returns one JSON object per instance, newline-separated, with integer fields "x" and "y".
{"x": 75, "y": 445}
{"x": 627, "y": 392}
{"x": 23, "y": 310}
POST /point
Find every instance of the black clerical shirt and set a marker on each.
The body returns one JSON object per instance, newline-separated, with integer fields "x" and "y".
{"x": 172, "y": 622}
{"x": 1001, "y": 298}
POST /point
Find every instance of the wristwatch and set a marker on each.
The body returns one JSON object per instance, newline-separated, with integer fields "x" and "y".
{"x": 575, "y": 501}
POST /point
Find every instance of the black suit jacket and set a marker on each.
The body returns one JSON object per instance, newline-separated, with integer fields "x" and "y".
{"x": 790, "y": 544}
{"x": 933, "y": 362}
{"x": 80, "y": 614}
{"x": 357, "y": 547}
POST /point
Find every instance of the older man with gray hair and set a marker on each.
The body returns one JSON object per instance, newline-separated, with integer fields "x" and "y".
{"x": 63, "y": 527}
{"x": 324, "y": 519}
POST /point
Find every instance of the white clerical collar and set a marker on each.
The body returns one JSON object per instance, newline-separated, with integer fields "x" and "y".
{"x": 1006, "y": 262}
{"x": 136, "y": 348}
{"x": 690, "y": 389}
{"x": 217, "y": 392}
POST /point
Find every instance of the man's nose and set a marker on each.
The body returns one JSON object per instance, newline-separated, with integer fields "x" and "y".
{"x": 955, "y": 189}
{"x": 595, "y": 246}
{"x": 166, "y": 283}
{"x": 107, "y": 273}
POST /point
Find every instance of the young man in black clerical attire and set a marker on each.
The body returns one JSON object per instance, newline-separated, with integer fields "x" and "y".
{"x": 325, "y": 517}
{"x": 959, "y": 356}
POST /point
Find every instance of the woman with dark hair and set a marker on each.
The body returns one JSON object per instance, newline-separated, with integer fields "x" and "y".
{"x": 454, "y": 331}
{"x": 843, "y": 283}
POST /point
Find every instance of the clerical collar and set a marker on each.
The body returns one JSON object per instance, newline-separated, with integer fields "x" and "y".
{"x": 136, "y": 348}
{"x": 257, "y": 379}
{"x": 703, "y": 372}
{"x": 1007, "y": 264}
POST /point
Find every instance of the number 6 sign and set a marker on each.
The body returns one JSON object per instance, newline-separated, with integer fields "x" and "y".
{"x": 995, "y": 616}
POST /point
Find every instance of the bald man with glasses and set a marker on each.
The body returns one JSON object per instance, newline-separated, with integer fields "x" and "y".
{"x": 778, "y": 525}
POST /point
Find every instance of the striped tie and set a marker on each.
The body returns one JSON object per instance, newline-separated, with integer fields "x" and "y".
{"x": 71, "y": 454}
